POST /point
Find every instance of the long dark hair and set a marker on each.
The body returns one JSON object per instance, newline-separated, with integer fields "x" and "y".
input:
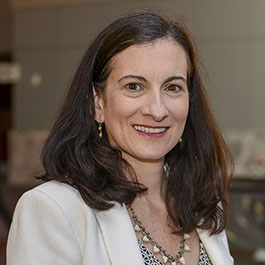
{"x": 199, "y": 167}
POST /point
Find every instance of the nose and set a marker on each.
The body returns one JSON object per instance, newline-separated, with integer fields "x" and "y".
{"x": 155, "y": 106}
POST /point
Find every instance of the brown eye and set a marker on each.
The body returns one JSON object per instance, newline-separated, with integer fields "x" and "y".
{"x": 173, "y": 88}
{"x": 133, "y": 87}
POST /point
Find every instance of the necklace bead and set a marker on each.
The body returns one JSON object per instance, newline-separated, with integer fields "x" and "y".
{"x": 187, "y": 236}
{"x": 165, "y": 259}
{"x": 182, "y": 261}
{"x": 145, "y": 238}
{"x": 187, "y": 248}
{"x": 137, "y": 228}
{"x": 157, "y": 249}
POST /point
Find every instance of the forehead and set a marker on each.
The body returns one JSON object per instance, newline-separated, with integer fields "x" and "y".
{"x": 161, "y": 56}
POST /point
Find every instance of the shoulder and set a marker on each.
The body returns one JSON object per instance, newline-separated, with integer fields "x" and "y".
{"x": 54, "y": 189}
{"x": 50, "y": 225}
{"x": 47, "y": 217}
{"x": 57, "y": 197}
{"x": 58, "y": 192}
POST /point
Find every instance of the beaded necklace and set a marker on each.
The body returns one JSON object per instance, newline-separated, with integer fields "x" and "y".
{"x": 157, "y": 249}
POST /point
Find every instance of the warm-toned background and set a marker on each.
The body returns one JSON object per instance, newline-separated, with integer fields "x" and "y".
{"x": 47, "y": 39}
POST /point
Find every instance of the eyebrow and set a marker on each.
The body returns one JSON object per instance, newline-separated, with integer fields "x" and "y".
{"x": 141, "y": 78}
{"x": 172, "y": 78}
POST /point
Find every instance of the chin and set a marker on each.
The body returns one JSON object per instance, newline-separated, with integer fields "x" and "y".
{"x": 150, "y": 157}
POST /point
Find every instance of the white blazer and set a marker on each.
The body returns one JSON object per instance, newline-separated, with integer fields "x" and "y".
{"x": 52, "y": 225}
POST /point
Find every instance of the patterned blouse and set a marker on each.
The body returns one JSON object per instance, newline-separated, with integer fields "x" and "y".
{"x": 150, "y": 259}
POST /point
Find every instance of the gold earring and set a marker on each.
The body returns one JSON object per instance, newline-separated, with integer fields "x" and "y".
{"x": 100, "y": 130}
{"x": 180, "y": 140}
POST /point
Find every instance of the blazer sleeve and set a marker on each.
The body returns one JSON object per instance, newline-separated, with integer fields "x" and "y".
{"x": 41, "y": 233}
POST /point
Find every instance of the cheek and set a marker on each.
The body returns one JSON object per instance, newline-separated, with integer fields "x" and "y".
{"x": 185, "y": 111}
{"x": 120, "y": 108}
{"x": 180, "y": 111}
{"x": 116, "y": 114}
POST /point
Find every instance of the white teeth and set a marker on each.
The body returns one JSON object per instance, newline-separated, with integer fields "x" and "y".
{"x": 149, "y": 130}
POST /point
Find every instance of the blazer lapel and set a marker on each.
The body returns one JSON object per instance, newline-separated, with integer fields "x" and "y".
{"x": 121, "y": 242}
{"x": 216, "y": 247}
{"x": 119, "y": 236}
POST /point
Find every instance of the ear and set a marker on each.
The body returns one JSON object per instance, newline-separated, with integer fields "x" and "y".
{"x": 99, "y": 106}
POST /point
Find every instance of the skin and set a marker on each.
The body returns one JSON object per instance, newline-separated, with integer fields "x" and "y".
{"x": 147, "y": 91}
{"x": 137, "y": 93}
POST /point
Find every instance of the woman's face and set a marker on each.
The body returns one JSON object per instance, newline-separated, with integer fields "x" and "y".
{"x": 146, "y": 99}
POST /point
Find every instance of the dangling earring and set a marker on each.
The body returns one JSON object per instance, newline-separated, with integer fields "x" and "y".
{"x": 100, "y": 130}
{"x": 180, "y": 140}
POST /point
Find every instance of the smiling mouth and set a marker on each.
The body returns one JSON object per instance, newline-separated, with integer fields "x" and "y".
{"x": 150, "y": 129}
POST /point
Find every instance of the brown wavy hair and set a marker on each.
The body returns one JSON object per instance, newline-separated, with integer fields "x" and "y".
{"x": 198, "y": 168}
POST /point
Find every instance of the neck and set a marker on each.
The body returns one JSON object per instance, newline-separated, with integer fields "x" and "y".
{"x": 151, "y": 175}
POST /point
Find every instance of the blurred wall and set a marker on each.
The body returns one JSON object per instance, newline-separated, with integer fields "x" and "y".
{"x": 5, "y": 27}
{"x": 51, "y": 36}
{"x": 231, "y": 38}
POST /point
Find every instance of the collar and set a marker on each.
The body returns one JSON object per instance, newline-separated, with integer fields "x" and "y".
{"x": 216, "y": 247}
{"x": 115, "y": 224}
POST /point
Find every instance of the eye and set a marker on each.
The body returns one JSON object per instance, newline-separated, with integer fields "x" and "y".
{"x": 173, "y": 88}
{"x": 133, "y": 87}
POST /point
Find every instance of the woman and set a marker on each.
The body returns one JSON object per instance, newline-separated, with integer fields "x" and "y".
{"x": 136, "y": 168}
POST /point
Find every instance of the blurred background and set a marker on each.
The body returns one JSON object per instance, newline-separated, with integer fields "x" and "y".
{"x": 41, "y": 43}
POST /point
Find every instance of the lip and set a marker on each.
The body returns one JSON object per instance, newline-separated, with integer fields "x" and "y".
{"x": 151, "y": 135}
